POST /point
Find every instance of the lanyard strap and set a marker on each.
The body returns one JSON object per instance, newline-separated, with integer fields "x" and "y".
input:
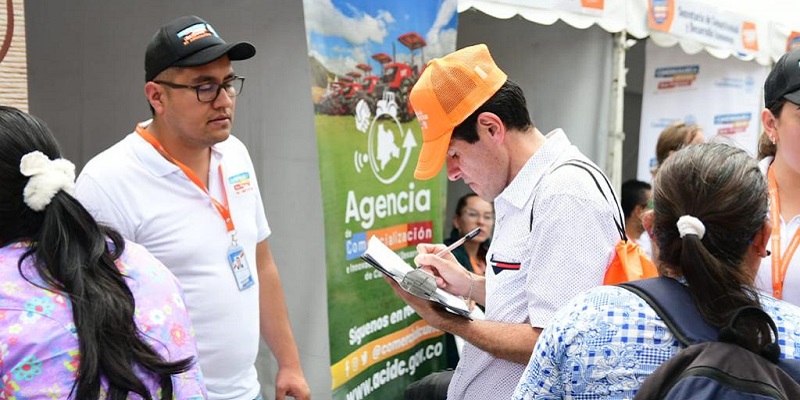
{"x": 222, "y": 209}
{"x": 780, "y": 264}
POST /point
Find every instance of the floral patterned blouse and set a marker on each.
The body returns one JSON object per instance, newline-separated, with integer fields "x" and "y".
{"x": 607, "y": 341}
{"x": 38, "y": 340}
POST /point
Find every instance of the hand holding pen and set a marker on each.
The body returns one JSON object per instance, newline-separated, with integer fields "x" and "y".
{"x": 423, "y": 283}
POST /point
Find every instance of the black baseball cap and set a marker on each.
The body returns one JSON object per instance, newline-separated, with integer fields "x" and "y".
{"x": 187, "y": 42}
{"x": 784, "y": 80}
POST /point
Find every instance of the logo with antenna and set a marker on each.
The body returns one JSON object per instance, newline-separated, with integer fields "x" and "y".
{"x": 359, "y": 159}
{"x": 389, "y": 147}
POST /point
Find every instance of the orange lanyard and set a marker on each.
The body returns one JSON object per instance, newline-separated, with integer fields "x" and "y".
{"x": 222, "y": 209}
{"x": 779, "y": 264}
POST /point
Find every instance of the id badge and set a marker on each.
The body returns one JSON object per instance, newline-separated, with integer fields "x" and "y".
{"x": 239, "y": 267}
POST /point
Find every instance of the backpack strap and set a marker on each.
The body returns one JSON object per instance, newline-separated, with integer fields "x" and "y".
{"x": 674, "y": 305}
{"x": 588, "y": 167}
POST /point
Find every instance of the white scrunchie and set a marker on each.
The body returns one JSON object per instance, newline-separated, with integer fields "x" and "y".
{"x": 689, "y": 225}
{"x": 47, "y": 177}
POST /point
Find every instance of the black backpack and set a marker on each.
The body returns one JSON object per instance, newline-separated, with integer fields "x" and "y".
{"x": 710, "y": 366}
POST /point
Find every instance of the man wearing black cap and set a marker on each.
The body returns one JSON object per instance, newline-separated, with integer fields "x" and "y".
{"x": 183, "y": 187}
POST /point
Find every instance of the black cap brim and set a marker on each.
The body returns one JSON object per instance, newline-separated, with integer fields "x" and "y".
{"x": 235, "y": 52}
{"x": 794, "y": 97}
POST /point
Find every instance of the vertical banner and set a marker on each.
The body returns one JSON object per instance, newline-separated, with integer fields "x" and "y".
{"x": 722, "y": 96}
{"x": 365, "y": 56}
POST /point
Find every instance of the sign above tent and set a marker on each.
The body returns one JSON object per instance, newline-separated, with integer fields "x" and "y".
{"x": 591, "y": 7}
{"x": 704, "y": 23}
{"x": 744, "y": 29}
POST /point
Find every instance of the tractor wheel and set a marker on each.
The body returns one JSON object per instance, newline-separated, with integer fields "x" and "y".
{"x": 404, "y": 113}
{"x": 371, "y": 103}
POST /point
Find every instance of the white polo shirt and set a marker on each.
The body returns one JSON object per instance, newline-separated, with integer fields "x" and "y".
{"x": 535, "y": 266}
{"x": 791, "y": 284}
{"x": 132, "y": 188}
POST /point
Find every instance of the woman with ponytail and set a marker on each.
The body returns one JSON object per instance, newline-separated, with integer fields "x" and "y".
{"x": 711, "y": 225}
{"x": 83, "y": 314}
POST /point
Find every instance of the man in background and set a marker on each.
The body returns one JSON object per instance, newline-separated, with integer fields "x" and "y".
{"x": 635, "y": 198}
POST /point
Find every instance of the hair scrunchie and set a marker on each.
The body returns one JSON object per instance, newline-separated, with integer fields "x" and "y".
{"x": 689, "y": 225}
{"x": 47, "y": 177}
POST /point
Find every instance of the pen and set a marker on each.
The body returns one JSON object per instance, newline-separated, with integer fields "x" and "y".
{"x": 459, "y": 242}
{"x": 423, "y": 284}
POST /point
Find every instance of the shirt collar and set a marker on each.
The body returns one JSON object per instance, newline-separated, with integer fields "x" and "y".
{"x": 155, "y": 162}
{"x": 518, "y": 192}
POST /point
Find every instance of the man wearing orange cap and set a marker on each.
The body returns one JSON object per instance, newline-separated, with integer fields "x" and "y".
{"x": 555, "y": 232}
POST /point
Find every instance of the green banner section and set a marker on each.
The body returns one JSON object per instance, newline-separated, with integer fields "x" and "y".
{"x": 364, "y": 313}
{"x": 365, "y": 56}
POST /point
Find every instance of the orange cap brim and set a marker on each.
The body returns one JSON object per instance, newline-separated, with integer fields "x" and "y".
{"x": 432, "y": 157}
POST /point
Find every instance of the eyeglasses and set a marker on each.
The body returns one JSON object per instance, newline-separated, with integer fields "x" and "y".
{"x": 474, "y": 215}
{"x": 208, "y": 92}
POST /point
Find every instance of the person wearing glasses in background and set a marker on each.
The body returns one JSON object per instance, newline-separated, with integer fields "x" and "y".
{"x": 185, "y": 188}
{"x": 472, "y": 212}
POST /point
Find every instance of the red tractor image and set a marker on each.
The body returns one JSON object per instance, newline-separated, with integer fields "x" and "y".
{"x": 371, "y": 82}
{"x": 333, "y": 102}
{"x": 342, "y": 95}
{"x": 397, "y": 78}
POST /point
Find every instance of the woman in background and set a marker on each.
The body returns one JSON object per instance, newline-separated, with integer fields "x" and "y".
{"x": 779, "y": 151}
{"x": 83, "y": 314}
{"x": 674, "y": 138}
{"x": 472, "y": 212}
{"x": 671, "y": 139}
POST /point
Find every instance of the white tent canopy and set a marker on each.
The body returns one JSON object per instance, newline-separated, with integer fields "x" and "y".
{"x": 775, "y": 20}
{"x": 742, "y": 29}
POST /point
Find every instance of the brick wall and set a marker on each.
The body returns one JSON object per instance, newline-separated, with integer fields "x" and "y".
{"x": 13, "y": 68}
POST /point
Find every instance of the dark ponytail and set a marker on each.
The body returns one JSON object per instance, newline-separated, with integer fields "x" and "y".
{"x": 723, "y": 187}
{"x": 75, "y": 256}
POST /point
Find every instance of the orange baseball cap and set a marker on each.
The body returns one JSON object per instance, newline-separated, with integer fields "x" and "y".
{"x": 449, "y": 90}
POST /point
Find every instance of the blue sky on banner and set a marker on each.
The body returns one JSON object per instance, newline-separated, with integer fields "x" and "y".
{"x": 341, "y": 34}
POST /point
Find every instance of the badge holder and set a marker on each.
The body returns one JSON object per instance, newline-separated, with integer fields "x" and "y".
{"x": 239, "y": 265}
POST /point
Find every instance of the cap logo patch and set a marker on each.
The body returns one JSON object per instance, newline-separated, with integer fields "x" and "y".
{"x": 196, "y": 32}
{"x": 422, "y": 118}
{"x": 481, "y": 72}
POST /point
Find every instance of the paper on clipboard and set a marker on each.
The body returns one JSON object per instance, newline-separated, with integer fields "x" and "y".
{"x": 387, "y": 261}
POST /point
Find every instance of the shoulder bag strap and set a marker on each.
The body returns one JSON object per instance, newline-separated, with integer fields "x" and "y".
{"x": 672, "y": 302}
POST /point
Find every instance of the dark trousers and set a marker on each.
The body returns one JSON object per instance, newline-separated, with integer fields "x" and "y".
{"x": 431, "y": 387}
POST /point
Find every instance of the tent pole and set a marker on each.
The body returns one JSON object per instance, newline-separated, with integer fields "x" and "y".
{"x": 615, "y": 133}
